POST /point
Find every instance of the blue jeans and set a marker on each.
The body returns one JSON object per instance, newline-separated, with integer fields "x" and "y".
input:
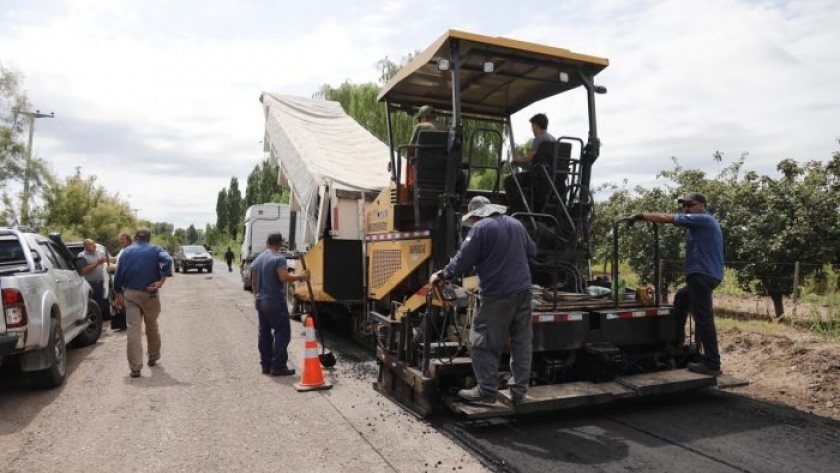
{"x": 273, "y": 317}
{"x": 99, "y": 296}
{"x": 696, "y": 297}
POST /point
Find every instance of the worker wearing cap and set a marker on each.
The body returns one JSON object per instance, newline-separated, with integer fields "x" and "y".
{"x": 498, "y": 246}
{"x": 426, "y": 122}
{"x": 704, "y": 272}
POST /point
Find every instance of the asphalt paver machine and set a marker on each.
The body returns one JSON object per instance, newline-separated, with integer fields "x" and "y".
{"x": 593, "y": 341}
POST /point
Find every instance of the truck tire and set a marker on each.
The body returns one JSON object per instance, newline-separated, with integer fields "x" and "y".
{"x": 94, "y": 328}
{"x": 292, "y": 304}
{"x": 210, "y": 269}
{"x": 54, "y": 375}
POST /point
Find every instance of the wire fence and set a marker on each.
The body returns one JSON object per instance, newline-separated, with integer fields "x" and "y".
{"x": 810, "y": 291}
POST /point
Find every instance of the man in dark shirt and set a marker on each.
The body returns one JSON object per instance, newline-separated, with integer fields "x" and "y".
{"x": 704, "y": 272}
{"x": 141, "y": 272}
{"x": 539, "y": 126}
{"x": 269, "y": 276}
{"x": 229, "y": 259}
{"x": 498, "y": 246}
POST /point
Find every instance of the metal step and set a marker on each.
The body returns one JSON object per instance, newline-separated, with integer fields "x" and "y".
{"x": 555, "y": 397}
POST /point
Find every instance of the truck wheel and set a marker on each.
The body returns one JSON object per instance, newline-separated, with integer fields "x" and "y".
{"x": 292, "y": 303}
{"x": 210, "y": 269}
{"x": 200, "y": 270}
{"x": 57, "y": 350}
{"x": 94, "y": 328}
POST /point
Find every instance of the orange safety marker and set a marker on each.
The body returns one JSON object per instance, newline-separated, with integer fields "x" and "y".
{"x": 312, "y": 378}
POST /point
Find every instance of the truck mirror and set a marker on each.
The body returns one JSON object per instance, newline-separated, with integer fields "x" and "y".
{"x": 80, "y": 262}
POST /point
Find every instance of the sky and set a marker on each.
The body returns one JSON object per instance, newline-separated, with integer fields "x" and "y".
{"x": 159, "y": 99}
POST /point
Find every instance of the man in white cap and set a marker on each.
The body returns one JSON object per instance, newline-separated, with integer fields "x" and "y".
{"x": 498, "y": 246}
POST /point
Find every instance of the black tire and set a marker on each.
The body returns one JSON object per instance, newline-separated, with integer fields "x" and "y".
{"x": 292, "y": 304}
{"x": 94, "y": 328}
{"x": 57, "y": 351}
{"x": 177, "y": 269}
{"x": 210, "y": 269}
{"x": 200, "y": 270}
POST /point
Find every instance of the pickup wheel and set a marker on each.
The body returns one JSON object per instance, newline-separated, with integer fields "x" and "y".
{"x": 94, "y": 328}
{"x": 57, "y": 350}
{"x": 210, "y": 269}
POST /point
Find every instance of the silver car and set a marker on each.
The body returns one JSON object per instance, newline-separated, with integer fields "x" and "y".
{"x": 193, "y": 257}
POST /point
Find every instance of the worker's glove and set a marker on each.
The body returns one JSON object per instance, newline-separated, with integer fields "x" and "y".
{"x": 304, "y": 275}
{"x": 633, "y": 219}
{"x": 436, "y": 278}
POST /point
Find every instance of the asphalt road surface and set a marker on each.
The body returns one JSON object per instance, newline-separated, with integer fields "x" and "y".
{"x": 708, "y": 431}
{"x": 207, "y": 408}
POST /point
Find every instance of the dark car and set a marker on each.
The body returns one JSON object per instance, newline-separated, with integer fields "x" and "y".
{"x": 193, "y": 257}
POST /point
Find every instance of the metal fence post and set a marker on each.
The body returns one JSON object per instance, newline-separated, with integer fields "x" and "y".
{"x": 795, "y": 295}
{"x": 660, "y": 299}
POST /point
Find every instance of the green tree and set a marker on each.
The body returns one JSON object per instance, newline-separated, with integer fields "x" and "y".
{"x": 235, "y": 210}
{"x": 192, "y": 235}
{"x": 12, "y": 146}
{"x": 776, "y": 222}
{"x": 262, "y": 186}
{"x": 222, "y": 209}
{"x": 79, "y": 208}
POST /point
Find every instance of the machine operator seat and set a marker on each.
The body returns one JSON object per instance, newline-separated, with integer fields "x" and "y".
{"x": 430, "y": 163}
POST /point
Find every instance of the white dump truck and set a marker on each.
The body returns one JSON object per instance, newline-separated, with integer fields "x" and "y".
{"x": 262, "y": 220}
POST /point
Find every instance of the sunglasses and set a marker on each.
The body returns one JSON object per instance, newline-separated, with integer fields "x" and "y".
{"x": 688, "y": 205}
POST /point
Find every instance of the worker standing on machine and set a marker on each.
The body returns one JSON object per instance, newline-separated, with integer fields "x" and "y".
{"x": 704, "y": 272}
{"x": 498, "y": 246}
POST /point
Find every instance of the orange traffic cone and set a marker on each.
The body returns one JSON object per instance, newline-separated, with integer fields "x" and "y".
{"x": 312, "y": 378}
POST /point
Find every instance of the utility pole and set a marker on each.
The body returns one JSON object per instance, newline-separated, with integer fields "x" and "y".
{"x": 24, "y": 207}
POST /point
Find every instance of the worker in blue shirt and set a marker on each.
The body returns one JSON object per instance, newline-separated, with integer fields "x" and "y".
{"x": 140, "y": 275}
{"x": 704, "y": 272}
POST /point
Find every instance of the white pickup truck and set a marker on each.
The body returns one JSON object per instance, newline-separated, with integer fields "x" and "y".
{"x": 45, "y": 305}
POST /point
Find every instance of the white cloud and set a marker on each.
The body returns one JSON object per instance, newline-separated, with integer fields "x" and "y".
{"x": 160, "y": 98}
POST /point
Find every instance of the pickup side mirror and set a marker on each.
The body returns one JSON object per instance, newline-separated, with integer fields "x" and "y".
{"x": 80, "y": 262}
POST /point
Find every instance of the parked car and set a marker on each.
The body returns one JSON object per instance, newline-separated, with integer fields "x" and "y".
{"x": 193, "y": 257}
{"x": 46, "y": 305}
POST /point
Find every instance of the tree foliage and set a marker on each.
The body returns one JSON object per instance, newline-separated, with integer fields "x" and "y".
{"x": 235, "y": 207}
{"x": 222, "y": 210}
{"x": 79, "y": 208}
{"x": 262, "y": 186}
{"x": 768, "y": 223}
{"x": 12, "y": 146}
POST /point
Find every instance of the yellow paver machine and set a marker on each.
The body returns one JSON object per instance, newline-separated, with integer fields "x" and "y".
{"x": 593, "y": 343}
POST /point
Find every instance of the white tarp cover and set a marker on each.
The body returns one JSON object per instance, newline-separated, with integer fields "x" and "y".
{"x": 316, "y": 144}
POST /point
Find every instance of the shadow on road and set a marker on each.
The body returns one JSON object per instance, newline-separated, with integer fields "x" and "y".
{"x": 20, "y": 402}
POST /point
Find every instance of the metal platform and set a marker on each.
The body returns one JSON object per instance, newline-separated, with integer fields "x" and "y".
{"x": 555, "y": 397}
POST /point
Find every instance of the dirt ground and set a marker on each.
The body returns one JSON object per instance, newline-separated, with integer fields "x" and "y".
{"x": 783, "y": 361}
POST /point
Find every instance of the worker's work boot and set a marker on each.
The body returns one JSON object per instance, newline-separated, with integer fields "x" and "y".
{"x": 474, "y": 395}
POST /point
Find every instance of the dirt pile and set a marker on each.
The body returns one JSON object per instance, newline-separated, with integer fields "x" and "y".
{"x": 783, "y": 365}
